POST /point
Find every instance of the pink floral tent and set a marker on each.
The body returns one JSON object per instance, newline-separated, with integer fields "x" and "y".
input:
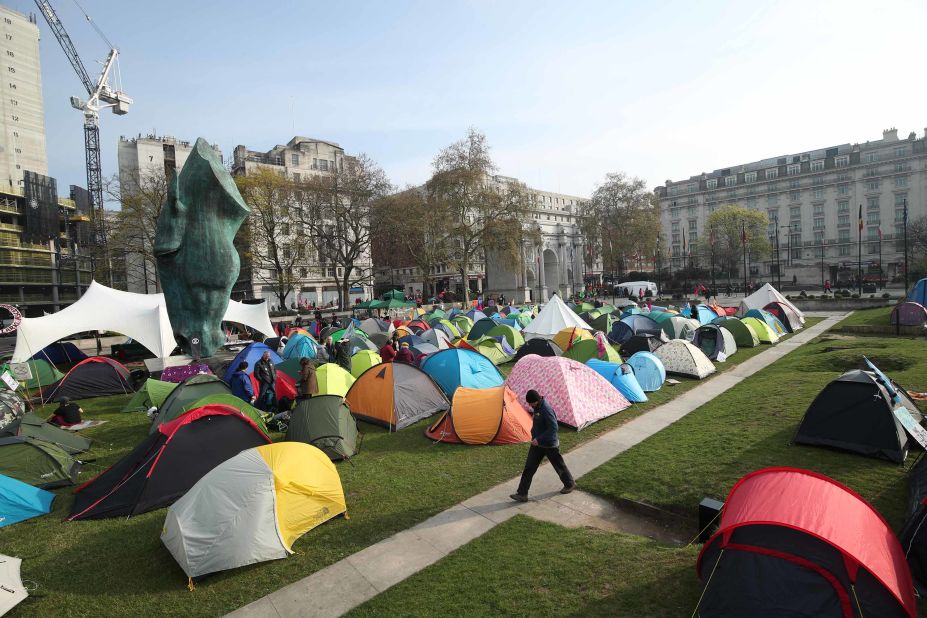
{"x": 578, "y": 395}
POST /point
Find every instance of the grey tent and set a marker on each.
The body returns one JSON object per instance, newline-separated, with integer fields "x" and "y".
{"x": 31, "y": 426}
{"x": 716, "y": 342}
{"x": 325, "y": 422}
{"x": 187, "y": 392}
{"x": 395, "y": 395}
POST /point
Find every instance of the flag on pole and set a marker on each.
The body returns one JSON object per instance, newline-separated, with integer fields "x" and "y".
{"x": 743, "y": 233}
{"x": 880, "y": 233}
{"x": 683, "y": 240}
{"x": 860, "y": 217}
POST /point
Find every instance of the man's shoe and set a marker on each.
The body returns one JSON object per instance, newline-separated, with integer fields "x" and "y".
{"x": 568, "y": 489}
{"x": 519, "y": 498}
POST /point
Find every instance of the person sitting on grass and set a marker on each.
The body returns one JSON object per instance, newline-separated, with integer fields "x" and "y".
{"x": 66, "y": 414}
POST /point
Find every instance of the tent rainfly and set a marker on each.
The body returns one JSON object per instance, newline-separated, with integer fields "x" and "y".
{"x": 762, "y": 297}
{"x": 553, "y": 318}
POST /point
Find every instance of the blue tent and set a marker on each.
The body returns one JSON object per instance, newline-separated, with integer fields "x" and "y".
{"x": 251, "y": 354}
{"x": 60, "y": 353}
{"x": 508, "y": 322}
{"x": 412, "y": 340}
{"x": 510, "y": 310}
{"x": 454, "y": 367}
{"x": 299, "y": 346}
{"x": 704, "y": 314}
{"x": 20, "y": 501}
{"x": 772, "y": 321}
{"x": 626, "y": 327}
{"x": 918, "y": 293}
{"x": 649, "y": 370}
{"x": 475, "y": 315}
{"x": 621, "y": 377}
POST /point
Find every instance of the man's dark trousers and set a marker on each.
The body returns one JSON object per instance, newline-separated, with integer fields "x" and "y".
{"x": 536, "y": 455}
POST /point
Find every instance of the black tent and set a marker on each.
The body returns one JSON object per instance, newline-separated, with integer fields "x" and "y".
{"x": 325, "y": 422}
{"x": 539, "y": 346}
{"x": 167, "y": 463}
{"x": 855, "y": 413}
{"x": 94, "y": 377}
{"x": 914, "y": 534}
{"x": 644, "y": 342}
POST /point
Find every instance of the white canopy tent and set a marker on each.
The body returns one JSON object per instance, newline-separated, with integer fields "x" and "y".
{"x": 143, "y": 317}
{"x": 554, "y": 317}
{"x": 762, "y": 297}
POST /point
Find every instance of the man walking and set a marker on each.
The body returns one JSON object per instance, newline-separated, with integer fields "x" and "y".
{"x": 545, "y": 442}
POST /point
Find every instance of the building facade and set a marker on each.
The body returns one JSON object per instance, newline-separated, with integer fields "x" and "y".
{"x": 300, "y": 159}
{"x": 813, "y": 200}
{"x": 21, "y": 106}
{"x": 553, "y": 264}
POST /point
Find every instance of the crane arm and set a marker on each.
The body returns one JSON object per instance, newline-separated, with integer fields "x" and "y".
{"x": 66, "y": 44}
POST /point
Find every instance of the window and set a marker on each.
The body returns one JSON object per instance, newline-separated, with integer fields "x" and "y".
{"x": 872, "y": 157}
{"x": 711, "y": 183}
{"x": 692, "y": 201}
{"x": 794, "y": 196}
{"x": 817, "y": 166}
{"x": 872, "y": 218}
{"x": 843, "y": 236}
{"x": 772, "y": 173}
{"x": 843, "y": 177}
{"x": 843, "y": 189}
{"x": 675, "y": 238}
{"x": 819, "y": 241}
{"x": 772, "y": 200}
{"x": 900, "y": 199}
{"x": 817, "y": 193}
{"x": 843, "y": 220}
{"x": 819, "y": 210}
{"x": 871, "y": 172}
{"x": 901, "y": 181}
{"x": 692, "y": 188}
{"x": 900, "y": 151}
{"x": 844, "y": 250}
{"x": 794, "y": 169}
{"x": 773, "y": 215}
{"x": 693, "y": 225}
{"x": 711, "y": 206}
{"x": 692, "y": 211}
{"x": 902, "y": 167}
{"x": 819, "y": 223}
{"x": 818, "y": 180}
{"x": 795, "y": 213}
{"x": 730, "y": 181}
{"x": 843, "y": 206}
{"x": 315, "y": 164}
{"x": 750, "y": 177}
{"x": 872, "y": 203}
{"x": 323, "y": 165}
{"x": 842, "y": 161}
{"x": 675, "y": 226}
{"x": 294, "y": 159}
{"x": 899, "y": 215}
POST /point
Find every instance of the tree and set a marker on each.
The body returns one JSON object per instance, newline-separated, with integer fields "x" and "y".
{"x": 407, "y": 229}
{"x": 130, "y": 232}
{"x": 478, "y": 214}
{"x": 273, "y": 232}
{"x": 620, "y": 222}
{"x": 336, "y": 211}
{"x": 724, "y": 235}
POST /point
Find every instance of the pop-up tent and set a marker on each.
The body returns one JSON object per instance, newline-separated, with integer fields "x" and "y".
{"x": 299, "y": 346}
{"x": 457, "y": 367}
{"x": 914, "y": 533}
{"x": 12, "y": 591}
{"x": 855, "y": 413}
{"x": 578, "y": 395}
{"x": 539, "y": 346}
{"x": 167, "y": 463}
{"x": 649, "y": 371}
{"x": 395, "y": 395}
{"x": 33, "y": 427}
{"x": 762, "y": 297}
{"x": 333, "y": 379}
{"x": 60, "y": 353}
{"x": 764, "y": 334}
{"x": 483, "y": 416}
{"x": 570, "y": 336}
{"x": 717, "y": 343}
{"x": 553, "y": 318}
{"x": 679, "y": 327}
{"x": 597, "y": 347}
{"x": 251, "y": 354}
{"x": 43, "y": 374}
{"x": 909, "y": 314}
{"x": 190, "y": 390}
{"x": 784, "y": 313}
{"x": 640, "y": 343}
{"x": 621, "y": 376}
{"x": 363, "y": 360}
{"x": 771, "y": 321}
{"x": 36, "y": 462}
{"x": 683, "y": 358}
{"x": 19, "y": 502}
{"x": 744, "y": 337}
{"x": 252, "y": 508}
{"x": 480, "y": 328}
{"x": 152, "y": 393}
{"x": 796, "y": 543}
{"x": 325, "y": 422}
{"x": 918, "y": 293}
{"x": 96, "y": 376}
{"x": 637, "y": 324}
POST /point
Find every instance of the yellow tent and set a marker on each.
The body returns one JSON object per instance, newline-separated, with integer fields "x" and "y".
{"x": 333, "y": 380}
{"x": 570, "y": 335}
{"x": 362, "y": 361}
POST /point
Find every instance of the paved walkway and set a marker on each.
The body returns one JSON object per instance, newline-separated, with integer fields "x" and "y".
{"x": 346, "y": 584}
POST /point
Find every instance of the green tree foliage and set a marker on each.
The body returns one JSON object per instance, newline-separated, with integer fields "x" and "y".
{"x": 620, "y": 223}
{"x": 724, "y": 236}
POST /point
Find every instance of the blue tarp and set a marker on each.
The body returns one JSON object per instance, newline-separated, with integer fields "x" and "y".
{"x": 454, "y": 368}
{"x": 252, "y": 354}
{"x": 649, "y": 370}
{"x": 20, "y": 501}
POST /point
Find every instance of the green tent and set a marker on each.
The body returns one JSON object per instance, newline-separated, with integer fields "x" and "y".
{"x": 587, "y": 349}
{"x": 491, "y": 349}
{"x": 363, "y": 360}
{"x": 228, "y": 399}
{"x": 607, "y": 309}
{"x": 31, "y": 426}
{"x": 325, "y": 421}
{"x": 394, "y": 295}
{"x": 523, "y": 319}
{"x": 37, "y": 463}
{"x": 463, "y": 324}
{"x": 43, "y": 374}
{"x": 434, "y": 313}
{"x": 291, "y": 367}
{"x": 761, "y": 329}
{"x": 152, "y": 393}
{"x": 744, "y": 336}
{"x": 603, "y": 323}
{"x": 512, "y": 336}
{"x": 192, "y": 389}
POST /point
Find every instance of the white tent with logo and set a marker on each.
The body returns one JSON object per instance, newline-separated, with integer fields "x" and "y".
{"x": 553, "y": 318}
{"x": 762, "y": 297}
{"x": 12, "y": 591}
{"x": 143, "y": 317}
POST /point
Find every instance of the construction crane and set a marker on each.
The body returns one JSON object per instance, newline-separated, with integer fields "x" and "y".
{"x": 100, "y": 96}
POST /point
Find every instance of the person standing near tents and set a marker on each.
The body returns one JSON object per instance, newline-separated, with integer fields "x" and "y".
{"x": 330, "y": 349}
{"x": 388, "y": 351}
{"x": 405, "y": 354}
{"x": 308, "y": 382}
{"x": 266, "y": 375}
{"x": 545, "y": 442}
{"x": 240, "y": 383}
{"x": 343, "y": 354}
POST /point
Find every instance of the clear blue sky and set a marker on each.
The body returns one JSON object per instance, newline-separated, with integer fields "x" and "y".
{"x": 565, "y": 91}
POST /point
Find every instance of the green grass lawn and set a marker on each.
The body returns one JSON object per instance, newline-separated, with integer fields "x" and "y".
{"x": 118, "y": 567}
{"x": 868, "y": 317}
{"x": 526, "y": 567}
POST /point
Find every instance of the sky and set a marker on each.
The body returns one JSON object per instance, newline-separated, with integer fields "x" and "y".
{"x": 566, "y": 92}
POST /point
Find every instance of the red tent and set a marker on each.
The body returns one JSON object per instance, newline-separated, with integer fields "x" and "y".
{"x": 285, "y": 386}
{"x": 796, "y": 542}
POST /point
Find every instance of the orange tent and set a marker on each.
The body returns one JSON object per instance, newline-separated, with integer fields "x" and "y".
{"x": 395, "y": 395}
{"x": 483, "y": 416}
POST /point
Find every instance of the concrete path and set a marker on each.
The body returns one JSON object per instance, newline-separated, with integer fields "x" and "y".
{"x": 346, "y": 584}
